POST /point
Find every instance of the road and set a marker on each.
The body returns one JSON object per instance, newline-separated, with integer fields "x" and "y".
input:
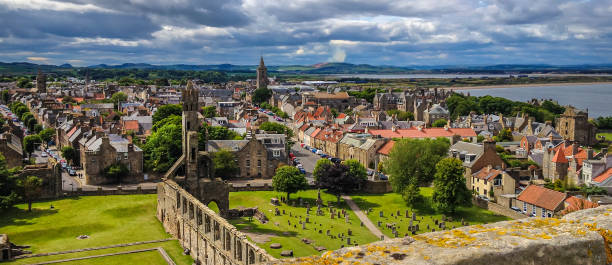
{"x": 307, "y": 159}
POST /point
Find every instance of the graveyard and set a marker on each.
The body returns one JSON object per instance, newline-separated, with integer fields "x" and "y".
{"x": 394, "y": 218}
{"x": 91, "y": 222}
{"x": 295, "y": 227}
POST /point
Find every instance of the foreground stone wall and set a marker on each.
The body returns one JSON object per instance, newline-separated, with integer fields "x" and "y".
{"x": 583, "y": 237}
{"x": 209, "y": 238}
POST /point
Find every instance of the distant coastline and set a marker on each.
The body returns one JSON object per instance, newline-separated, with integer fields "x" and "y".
{"x": 525, "y": 85}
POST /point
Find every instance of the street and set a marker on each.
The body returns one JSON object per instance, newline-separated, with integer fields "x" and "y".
{"x": 307, "y": 159}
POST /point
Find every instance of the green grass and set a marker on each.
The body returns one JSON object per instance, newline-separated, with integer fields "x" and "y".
{"x": 390, "y": 203}
{"x": 108, "y": 220}
{"x": 144, "y": 258}
{"x": 292, "y": 238}
{"x": 607, "y": 135}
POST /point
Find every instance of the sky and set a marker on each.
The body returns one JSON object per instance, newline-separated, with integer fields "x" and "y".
{"x": 304, "y": 32}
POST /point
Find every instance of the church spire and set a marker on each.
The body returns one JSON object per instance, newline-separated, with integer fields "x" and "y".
{"x": 261, "y": 62}
{"x": 262, "y": 74}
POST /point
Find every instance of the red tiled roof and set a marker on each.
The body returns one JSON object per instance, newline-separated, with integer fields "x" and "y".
{"x": 424, "y": 133}
{"x": 487, "y": 174}
{"x": 603, "y": 176}
{"x": 574, "y": 204}
{"x": 69, "y": 134}
{"x": 542, "y": 197}
{"x": 560, "y": 156}
{"x": 341, "y": 116}
{"x": 304, "y": 127}
{"x": 386, "y": 148}
{"x": 315, "y": 132}
{"x": 131, "y": 125}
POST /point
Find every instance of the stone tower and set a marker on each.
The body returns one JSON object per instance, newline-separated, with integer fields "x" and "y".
{"x": 41, "y": 82}
{"x": 190, "y": 130}
{"x": 574, "y": 125}
{"x": 262, "y": 74}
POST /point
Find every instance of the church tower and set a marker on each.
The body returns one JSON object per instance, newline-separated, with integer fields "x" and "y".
{"x": 190, "y": 130}
{"x": 41, "y": 82}
{"x": 262, "y": 74}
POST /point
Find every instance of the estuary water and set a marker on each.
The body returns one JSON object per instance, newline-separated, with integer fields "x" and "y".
{"x": 597, "y": 98}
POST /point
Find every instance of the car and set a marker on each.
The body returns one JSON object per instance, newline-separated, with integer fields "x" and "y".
{"x": 335, "y": 160}
{"x": 516, "y": 209}
{"x": 43, "y": 154}
{"x": 71, "y": 172}
{"x": 482, "y": 197}
{"x": 323, "y": 155}
{"x": 302, "y": 171}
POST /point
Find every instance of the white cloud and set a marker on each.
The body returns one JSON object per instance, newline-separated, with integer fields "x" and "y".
{"x": 51, "y": 5}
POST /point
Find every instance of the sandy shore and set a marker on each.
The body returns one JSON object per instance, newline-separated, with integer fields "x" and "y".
{"x": 523, "y": 85}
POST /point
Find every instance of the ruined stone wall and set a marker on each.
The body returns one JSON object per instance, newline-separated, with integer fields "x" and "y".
{"x": 209, "y": 237}
{"x": 583, "y": 237}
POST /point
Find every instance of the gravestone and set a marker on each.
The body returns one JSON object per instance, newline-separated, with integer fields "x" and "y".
{"x": 287, "y": 253}
{"x": 350, "y": 233}
{"x": 327, "y": 232}
{"x": 416, "y": 228}
{"x": 379, "y": 223}
{"x": 397, "y": 213}
{"x": 283, "y": 211}
{"x": 346, "y": 219}
{"x": 414, "y": 232}
{"x": 331, "y": 216}
{"x": 382, "y": 237}
{"x": 361, "y": 223}
{"x": 276, "y": 212}
{"x": 380, "y": 214}
{"x": 275, "y": 245}
{"x": 304, "y": 226}
{"x": 407, "y": 216}
{"x": 319, "y": 201}
{"x": 413, "y": 216}
{"x": 348, "y": 240}
{"x": 307, "y": 220}
{"x": 274, "y": 201}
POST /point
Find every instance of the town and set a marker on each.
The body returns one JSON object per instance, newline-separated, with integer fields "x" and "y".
{"x": 256, "y": 170}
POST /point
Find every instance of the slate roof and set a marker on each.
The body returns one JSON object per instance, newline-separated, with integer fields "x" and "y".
{"x": 424, "y": 133}
{"x": 542, "y": 197}
{"x": 231, "y": 145}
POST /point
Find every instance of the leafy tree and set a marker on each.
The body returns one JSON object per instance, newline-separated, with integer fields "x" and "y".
{"x": 209, "y": 111}
{"x": 20, "y": 110}
{"x": 172, "y": 119}
{"x": 450, "y": 191}
{"x": 30, "y": 142}
{"x": 414, "y": 161}
{"x": 68, "y": 153}
{"x": 167, "y": 111}
{"x": 356, "y": 169}
{"x": 321, "y": 168}
{"x": 162, "y": 82}
{"x": 553, "y": 107}
{"x": 334, "y": 112}
{"x": 5, "y": 96}
{"x": 401, "y": 115}
{"x": 225, "y": 164}
{"x": 480, "y": 138}
{"x": 261, "y": 95}
{"x": 116, "y": 171}
{"x": 504, "y": 135}
{"x": 289, "y": 179}
{"x": 25, "y": 116}
{"x": 8, "y": 186}
{"x": 412, "y": 195}
{"x": 31, "y": 189}
{"x": 338, "y": 179}
{"x": 439, "y": 123}
{"x": 604, "y": 122}
{"x": 38, "y": 128}
{"x": 163, "y": 148}
{"x": 24, "y": 82}
{"x": 118, "y": 97}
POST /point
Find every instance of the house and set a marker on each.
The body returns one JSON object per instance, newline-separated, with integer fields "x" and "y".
{"x": 539, "y": 201}
{"x": 361, "y": 147}
{"x": 436, "y": 112}
{"x": 339, "y": 101}
{"x": 257, "y": 157}
{"x": 492, "y": 183}
{"x": 476, "y": 157}
{"x": 11, "y": 149}
{"x": 604, "y": 180}
{"x": 99, "y": 150}
{"x": 384, "y": 151}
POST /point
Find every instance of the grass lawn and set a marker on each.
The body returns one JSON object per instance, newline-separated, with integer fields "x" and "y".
{"x": 108, "y": 220}
{"x": 277, "y": 229}
{"x": 144, "y": 258}
{"x": 607, "y": 135}
{"x": 390, "y": 203}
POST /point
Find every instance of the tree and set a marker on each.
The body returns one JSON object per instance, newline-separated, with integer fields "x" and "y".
{"x": 163, "y": 148}
{"x": 30, "y": 142}
{"x": 5, "y": 96}
{"x": 24, "y": 82}
{"x": 68, "y": 100}
{"x": 37, "y": 128}
{"x": 320, "y": 168}
{"x": 338, "y": 179}
{"x": 261, "y": 95}
{"x": 276, "y": 127}
{"x": 209, "y": 111}
{"x": 450, "y": 191}
{"x": 116, "y": 172}
{"x": 401, "y": 115}
{"x": 46, "y": 135}
{"x": 439, "y": 123}
{"x": 289, "y": 179}
{"x": 8, "y": 186}
{"x": 412, "y": 195}
{"x": 69, "y": 153}
{"x": 414, "y": 161}
{"x": 118, "y": 97}
{"x": 20, "y": 110}
{"x": 356, "y": 169}
{"x": 167, "y": 111}
{"x": 31, "y": 189}
{"x": 225, "y": 164}
{"x": 172, "y": 119}
{"x": 504, "y": 135}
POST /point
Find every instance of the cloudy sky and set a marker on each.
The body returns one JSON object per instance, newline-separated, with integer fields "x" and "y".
{"x": 380, "y": 32}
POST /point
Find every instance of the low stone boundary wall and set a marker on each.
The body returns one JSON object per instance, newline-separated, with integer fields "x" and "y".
{"x": 104, "y": 192}
{"x": 582, "y": 237}
{"x": 377, "y": 187}
{"x": 498, "y": 209}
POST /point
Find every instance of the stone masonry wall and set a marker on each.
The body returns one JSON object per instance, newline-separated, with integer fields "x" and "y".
{"x": 583, "y": 237}
{"x": 209, "y": 238}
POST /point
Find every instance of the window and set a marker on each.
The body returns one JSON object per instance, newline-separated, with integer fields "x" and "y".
{"x": 533, "y": 209}
{"x": 248, "y": 163}
{"x": 543, "y": 213}
{"x": 497, "y": 181}
{"x": 258, "y": 163}
{"x": 276, "y": 153}
{"x": 484, "y": 192}
{"x": 524, "y": 207}
{"x": 193, "y": 156}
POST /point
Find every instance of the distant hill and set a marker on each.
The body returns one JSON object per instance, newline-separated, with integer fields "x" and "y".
{"x": 322, "y": 68}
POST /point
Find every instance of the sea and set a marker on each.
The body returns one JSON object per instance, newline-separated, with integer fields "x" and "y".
{"x": 596, "y": 98}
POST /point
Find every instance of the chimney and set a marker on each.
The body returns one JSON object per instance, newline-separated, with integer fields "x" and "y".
{"x": 130, "y": 147}
{"x": 574, "y": 148}
{"x": 488, "y": 145}
{"x": 393, "y": 128}
{"x": 420, "y": 128}
{"x": 489, "y": 167}
{"x": 589, "y": 153}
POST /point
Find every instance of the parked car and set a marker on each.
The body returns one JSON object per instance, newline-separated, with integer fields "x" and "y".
{"x": 71, "y": 172}
{"x": 43, "y": 154}
{"x": 516, "y": 209}
{"x": 335, "y": 159}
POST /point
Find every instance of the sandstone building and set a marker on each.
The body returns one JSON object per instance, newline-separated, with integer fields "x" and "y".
{"x": 574, "y": 125}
